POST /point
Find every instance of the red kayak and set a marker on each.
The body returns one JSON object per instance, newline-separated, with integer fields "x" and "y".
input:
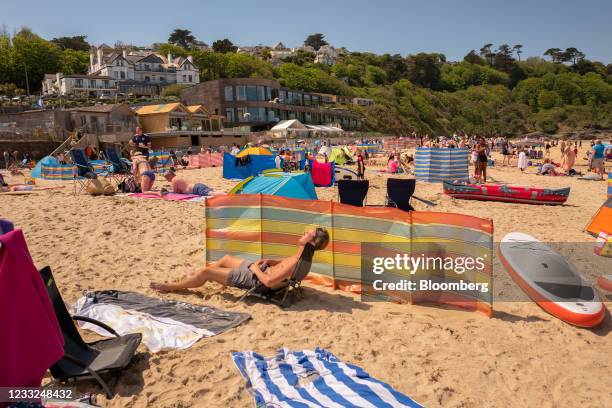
{"x": 506, "y": 193}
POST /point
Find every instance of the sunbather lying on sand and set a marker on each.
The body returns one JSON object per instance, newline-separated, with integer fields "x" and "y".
{"x": 181, "y": 186}
{"x": 239, "y": 273}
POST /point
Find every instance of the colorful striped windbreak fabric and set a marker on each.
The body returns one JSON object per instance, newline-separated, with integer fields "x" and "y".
{"x": 203, "y": 160}
{"x": 164, "y": 161}
{"x": 67, "y": 171}
{"x": 441, "y": 164}
{"x": 262, "y": 226}
{"x": 609, "y": 183}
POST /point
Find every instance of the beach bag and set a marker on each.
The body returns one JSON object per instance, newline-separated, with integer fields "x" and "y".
{"x": 100, "y": 187}
{"x": 129, "y": 185}
{"x": 603, "y": 245}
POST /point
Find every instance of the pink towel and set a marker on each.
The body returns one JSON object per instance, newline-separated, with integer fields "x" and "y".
{"x": 321, "y": 173}
{"x": 31, "y": 340}
{"x": 169, "y": 196}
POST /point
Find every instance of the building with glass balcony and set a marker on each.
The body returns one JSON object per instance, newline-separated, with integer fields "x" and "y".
{"x": 261, "y": 103}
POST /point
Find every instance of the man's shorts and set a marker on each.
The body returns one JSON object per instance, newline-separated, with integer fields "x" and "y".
{"x": 243, "y": 278}
{"x": 598, "y": 164}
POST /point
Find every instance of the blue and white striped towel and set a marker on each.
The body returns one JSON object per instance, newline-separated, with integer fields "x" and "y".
{"x": 282, "y": 381}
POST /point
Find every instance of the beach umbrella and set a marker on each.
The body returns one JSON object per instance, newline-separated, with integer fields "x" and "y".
{"x": 257, "y": 151}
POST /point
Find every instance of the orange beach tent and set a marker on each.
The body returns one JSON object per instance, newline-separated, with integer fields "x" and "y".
{"x": 602, "y": 221}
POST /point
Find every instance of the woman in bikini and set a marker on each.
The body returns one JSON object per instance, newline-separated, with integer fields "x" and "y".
{"x": 143, "y": 172}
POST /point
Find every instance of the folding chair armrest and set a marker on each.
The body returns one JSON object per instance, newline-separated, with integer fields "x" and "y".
{"x": 97, "y": 323}
{"x": 91, "y": 372}
{"x": 247, "y": 294}
{"x": 80, "y": 165}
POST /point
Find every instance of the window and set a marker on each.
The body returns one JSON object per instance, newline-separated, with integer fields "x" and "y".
{"x": 269, "y": 94}
{"x": 184, "y": 78}
{"x": 229, "y": 114}
{"x": 240, "y": 113}
{"x": 272, "y": 115}
{"x": 147, "y": 79}
{"x": 190, "y": 78}
{"x": 307, "y": 100}
{"x": 117, "y": 74}
{"x": 261, "y": 93}
{"x": 106, "y": 84}
{"x": 251, "y": 93}
{"x": 162, "y": 79}
{"x": 229, "y": 94}
{"x": 122, "y": 75}
{"x": 147, "y": 67}
{"x": 79, "y": 83}
{"x": 241, "y": 93}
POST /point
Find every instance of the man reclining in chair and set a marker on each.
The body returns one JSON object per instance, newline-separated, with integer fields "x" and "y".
{"x": 242, "y": 274}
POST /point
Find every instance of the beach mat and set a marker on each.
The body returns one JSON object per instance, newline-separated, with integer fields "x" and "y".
{"x": 169, "y": 196}
{"x": 164, "y": 324}
{"x": 310, "y": 378}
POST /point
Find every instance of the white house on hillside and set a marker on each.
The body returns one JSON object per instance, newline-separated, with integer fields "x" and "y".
{"x": 80, "y": 85}
{"x": 143, "y": 67}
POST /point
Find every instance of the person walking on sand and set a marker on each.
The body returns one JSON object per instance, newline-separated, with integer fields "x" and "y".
{"x": 481, "y": 161}
{"x": 597, "y": 162}
{"x": 522, "y": 160}
{"x": 569, "y": 158}
{"x": 237, "y": 272}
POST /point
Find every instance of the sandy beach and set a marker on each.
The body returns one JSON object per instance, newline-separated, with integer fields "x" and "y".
{"x": 522, "y": 357}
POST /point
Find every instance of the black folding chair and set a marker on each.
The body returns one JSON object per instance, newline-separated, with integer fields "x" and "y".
{"x": 353, "y": 192}
{"x": 293, "y": 289}
{"x": 85, "y": 361}
{"x": 399, "y": 193}
{"x": 120, "y": 168}
{"x": 84, "y": 170}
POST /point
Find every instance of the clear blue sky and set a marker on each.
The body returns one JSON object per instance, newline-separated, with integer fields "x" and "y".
{"x": 452, "y": 27}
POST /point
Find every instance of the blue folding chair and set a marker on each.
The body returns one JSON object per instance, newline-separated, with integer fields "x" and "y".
{"x": 85, "y": 171}
{"x": 120, "y": 168}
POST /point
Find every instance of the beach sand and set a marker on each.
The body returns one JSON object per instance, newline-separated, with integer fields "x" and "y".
{"x": 522, "y": 357}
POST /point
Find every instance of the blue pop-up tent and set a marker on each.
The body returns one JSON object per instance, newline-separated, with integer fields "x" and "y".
{"x": 290, "y": 185}
{"x": 243, "y": 167}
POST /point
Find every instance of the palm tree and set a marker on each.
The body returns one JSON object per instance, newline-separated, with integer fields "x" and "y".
{"x": 517, "y": 48}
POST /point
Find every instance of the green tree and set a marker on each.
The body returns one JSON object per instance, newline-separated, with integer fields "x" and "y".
{"x": 181, "y": 37}
{"x": 554, "y": 54}
{"x": 175, "y": 50}
{"x": 32, "y": 57}
{"x": 548, "y": 99}
{"x": 503, "y": 60}
{"x": 77, "y": 43}
{"x": 315, "y": 41}
{"x": 487, "y": 53}
{"x": 473, "y": 58}
{"x": 224, "y": 46}
{"x": 570, "y": 54}
{"x": 73, "y": 62}
{"x": 375, "y": 75}
{"x": 424, "y": 70}
{"x": 518, "y": 48}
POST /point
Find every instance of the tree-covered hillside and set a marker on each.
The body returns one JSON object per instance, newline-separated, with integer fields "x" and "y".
{"x": 490, "y": 91}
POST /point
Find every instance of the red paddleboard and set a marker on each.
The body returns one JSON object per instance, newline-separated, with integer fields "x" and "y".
{"x": 605, "y": 282}
{"x": 506, "y": 193}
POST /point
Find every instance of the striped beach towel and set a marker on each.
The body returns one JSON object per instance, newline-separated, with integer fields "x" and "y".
{"x": 313, "y": 379}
